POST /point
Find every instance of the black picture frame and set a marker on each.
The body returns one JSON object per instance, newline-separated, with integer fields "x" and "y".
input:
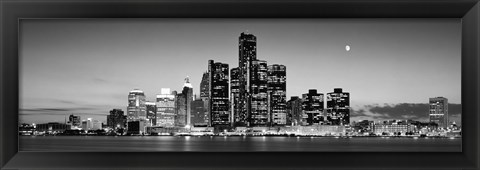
{"x": 13, "y": 10}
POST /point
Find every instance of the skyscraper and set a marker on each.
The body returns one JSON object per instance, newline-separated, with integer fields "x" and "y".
{"x": 439, "y": 111}
{"x": 116, "y": 119}
{"x": 312, "y": 107}
{"x": 338, "y": 107}
{"x": 180, "y": 110}
{"x": 183, "y": 102}
{"x": 259, "y": 115}
{"x": 95, "y": 124}
{"x": 247, "y": 46}
{"x": 238, "y": 119}
{"x": 277, "y": 88}
{"x": 219, "y": 101}
{"x": 165, "y": 108}
{"x": 204, "y": 95}
{"x": 90, "y": 124}
{"x": 294, "y": 111}
{"x": 198, "y": 117}
{"x": 253, "y": 103}
{"x": 74, "y": 121}
{"x": 188, "y": 94}
{"x": 151, "y": 113}
{"x": 136, "y": 109}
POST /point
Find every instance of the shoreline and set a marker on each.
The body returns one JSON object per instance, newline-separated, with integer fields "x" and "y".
{"x": 255, "y": 136}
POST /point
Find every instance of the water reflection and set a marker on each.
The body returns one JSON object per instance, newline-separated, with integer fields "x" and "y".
{"x": 235, "y": 143}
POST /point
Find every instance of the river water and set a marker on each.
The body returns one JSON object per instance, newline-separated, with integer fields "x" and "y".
{"x": 235, "y": 144}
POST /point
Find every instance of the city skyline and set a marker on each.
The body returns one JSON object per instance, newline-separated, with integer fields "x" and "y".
{"x": 51, "y": 61}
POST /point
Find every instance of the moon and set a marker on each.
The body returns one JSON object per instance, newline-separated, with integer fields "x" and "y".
{"x": 347, "y": 48}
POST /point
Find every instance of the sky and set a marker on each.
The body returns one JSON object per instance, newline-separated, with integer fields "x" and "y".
{"x": 88, "y": 66}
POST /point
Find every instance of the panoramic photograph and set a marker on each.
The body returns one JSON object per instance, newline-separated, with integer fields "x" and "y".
{"x": 240, "y": 85}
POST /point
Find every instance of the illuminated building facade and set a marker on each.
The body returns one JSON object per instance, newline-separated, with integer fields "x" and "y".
{"x": 253, "y": 102}
{"x": 165, "y": 108}
{"x": 198, "y": 116}
{"x": 52, "y": 127}
{"x": 338, "y": 107}
{"x": 294, "y": 111}
{"x": 91, "y": 124}
{"x": 238, "y": 119}
{"x": 312, "y": 108}
{"x": 204, "y": 94}
{"x": 116, "y": 119}
{"x": 392, "y": 129}
{"x": 438, "y": 112}
{"x": 277, "y": 88}
{"x": 219, "y": 101}
{"x": 84, "y": 125}
{"x": 247, "y": 46}
{"x": 74, "y": 121}
{"x": 96, "y": 124}
{"x": 180, "y": 110}
{"x": 151, "y": 113}
{"x": 259, "y": 115}
{"x": 136, "y": 109}
{"x": 187, "y": 92}
{"x": 183, "y": 102}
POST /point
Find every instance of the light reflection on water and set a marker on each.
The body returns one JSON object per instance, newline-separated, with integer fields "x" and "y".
{"x": 235, "y": 143}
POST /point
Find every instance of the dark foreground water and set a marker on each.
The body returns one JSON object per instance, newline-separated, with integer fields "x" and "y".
{"x": 236, "y": 144}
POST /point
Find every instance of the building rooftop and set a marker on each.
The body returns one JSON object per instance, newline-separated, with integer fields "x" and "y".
{"x": 136, "y": 91}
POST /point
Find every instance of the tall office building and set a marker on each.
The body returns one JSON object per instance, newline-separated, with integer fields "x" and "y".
{"x": 151, "y": 113}
{"x": 136, "y": 109}
{"x": 188, "y": 94}
{"x": 74, "y": 121}
{"x": 259, "y": 115}
{"x": 204, "y": 94}
{"x": 238, "y": 119}
{"x": 294, "y": 111}
{"x": 183, "y": 102}
{"x": 439, "y": 111}
{"x": 198, "y": 117}
{"x": 180, "y": 110}
{"x": 277, "y": 88}
{"x": 312, "y": 107}
{"x": 247, "y": 46}
{"x": 338, "y": 107}
{"x": 219, "y": 101}
{"x": 96, "y": 125}
{"x": 84, "y": 125}
{"x": 204, "y": 85}
{"x": 116, "y": 119}
{"x": 93, "y": 124}
{"x": 165, "y": 108}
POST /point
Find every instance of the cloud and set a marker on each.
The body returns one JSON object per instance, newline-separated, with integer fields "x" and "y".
{"x": 415, "y": 111}
{"x": 59, "y": 114}
{"x": 60, "y": 111}
{"x": 64, "y": 101}
{"x": 401, "y": 111}
{"x": 54, "y": 109}
{"x": 360, "y": 112}
{"x": 365, "y": 113}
